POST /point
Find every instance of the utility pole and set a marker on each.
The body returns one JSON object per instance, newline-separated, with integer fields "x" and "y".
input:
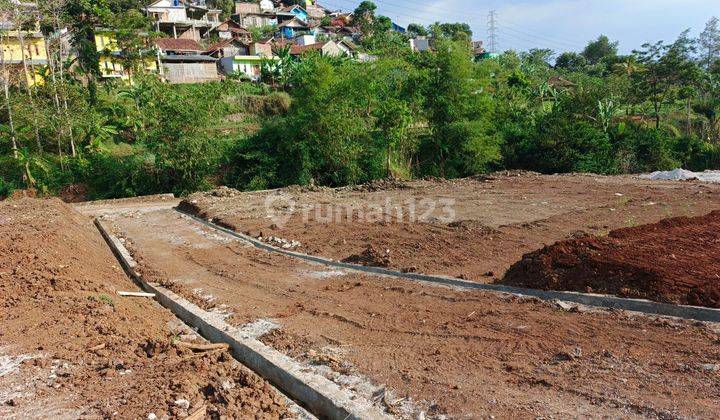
{"x": 492, "y": 31}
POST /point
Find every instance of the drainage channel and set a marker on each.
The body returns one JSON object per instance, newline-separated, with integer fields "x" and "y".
{"x": 589, "y": 299}
{"x": 320, "y": 396}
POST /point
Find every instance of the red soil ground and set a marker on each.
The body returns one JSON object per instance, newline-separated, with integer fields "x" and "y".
{"x": 71, "y": 347}
{"x": 498, "y": 218}
{"x": 459, "y": 353}
{"x": 676, "y": 260}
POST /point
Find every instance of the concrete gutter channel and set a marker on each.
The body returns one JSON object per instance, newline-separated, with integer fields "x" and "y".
{"x": 602, "y": 301}
{"x": 313, "y": 392}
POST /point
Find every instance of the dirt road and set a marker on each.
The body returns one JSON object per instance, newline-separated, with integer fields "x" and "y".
{"x": 439, "y": 350}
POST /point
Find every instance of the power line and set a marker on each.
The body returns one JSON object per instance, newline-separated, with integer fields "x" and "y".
{"x": 508, "y": 29}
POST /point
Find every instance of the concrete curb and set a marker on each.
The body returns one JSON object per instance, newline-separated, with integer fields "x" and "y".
{"x": 319, "y": 395}
{"x": 602, "y": 301}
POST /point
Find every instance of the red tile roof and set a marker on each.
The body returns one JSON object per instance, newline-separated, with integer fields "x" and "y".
{"x": 300, "y": 49}
{"x": 170, "y": 44}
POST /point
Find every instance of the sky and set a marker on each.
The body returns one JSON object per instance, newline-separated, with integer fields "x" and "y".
{"x": 561, "y": 25}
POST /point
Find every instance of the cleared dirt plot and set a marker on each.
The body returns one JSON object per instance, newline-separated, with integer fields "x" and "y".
{"x": 496, "y": 219}
{"x": 72, "y": 347}
{"x": 435, "y": 349}
{"x": 676, "y": 260}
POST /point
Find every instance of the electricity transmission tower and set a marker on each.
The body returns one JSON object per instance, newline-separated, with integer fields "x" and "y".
{"x": 492, "y": 31}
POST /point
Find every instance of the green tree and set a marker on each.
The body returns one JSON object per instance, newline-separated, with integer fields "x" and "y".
{"x": 571, "y": 61}
{"x": 461, "y": 141}
{"x": 415, "y": 30}
{"x": 453, "y": 31}
{"x": 667, "y": 67}
{"x": 601, "y": 48}
{"x": 709, "y": 41}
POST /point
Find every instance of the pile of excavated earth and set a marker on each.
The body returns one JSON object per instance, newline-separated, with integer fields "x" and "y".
{"x": 676, "y": 260}
{"x": 414, "y": 349}
{"x": 72, "y": 347}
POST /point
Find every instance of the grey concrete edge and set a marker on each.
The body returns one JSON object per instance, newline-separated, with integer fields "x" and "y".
{"x": 319, "y": 395}
{"x": 603, "y": 301}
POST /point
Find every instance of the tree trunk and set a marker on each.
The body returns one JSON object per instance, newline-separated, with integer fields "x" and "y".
{"x": 688, "y": 116}
{"x": 6, "y": 89}
{"x": 21, "y": 39}
{"x": 61, "y": 67}
{"x": 56, "y": 99}
{"x": 11, "y": 122}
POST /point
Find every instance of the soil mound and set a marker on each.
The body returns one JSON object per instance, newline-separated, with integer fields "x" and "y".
{"x": 74, "y": 193}
{"x": 371, "y": 256}
{"x": 676, "y": 260}
{"x": 89, "y": 350}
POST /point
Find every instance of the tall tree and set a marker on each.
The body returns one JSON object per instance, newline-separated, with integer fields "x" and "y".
{"x": 668, "y": 68}
{"x": 601, "y": 48}
{"x": 709, "y": 42}
{"x": 83, "y": 17}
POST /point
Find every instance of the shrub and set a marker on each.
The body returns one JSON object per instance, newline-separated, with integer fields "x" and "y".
{"x": 644, "y": 149}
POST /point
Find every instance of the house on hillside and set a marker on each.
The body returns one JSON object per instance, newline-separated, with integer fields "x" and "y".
{"x": 290, "y": 12}
{"x": 315, "y": 12}
{"x": 248, "y": 65}
{"x": 27, "y": 46}
{"x": 252, "y": 15}
{"x": 349, "y": 33}
{"x": 421, "y": 44}
{"x": 110, "y": 57}
{"x": 183, "y": 18}
{"x": 293, "y": 27}
{"x": 397, "y": 28}
{"x": 228, "y": 48}
{"x": 478, "y": 49}
{"x": 18, "y": 45}
{"x": 230, "y": 29}
{"x": 183, "y": 61}
{"x": 327, "y": 48}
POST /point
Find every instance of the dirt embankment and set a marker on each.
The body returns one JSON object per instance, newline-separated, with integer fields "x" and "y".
{"x": 676, "y": 260}
{"x": 70, "y": 346}
{"x": 497, "y": 219}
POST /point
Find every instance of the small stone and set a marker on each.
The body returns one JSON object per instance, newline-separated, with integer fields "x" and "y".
{"x": 710, "y": 367}
{"x": 227, "y": 384}
{"x": 151, "y": 416}
{"x": 183, "y": 403}
{"x": 565, "y": 306}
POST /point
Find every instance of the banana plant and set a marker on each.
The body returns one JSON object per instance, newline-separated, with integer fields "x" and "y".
{"x": 30, "y": 163}
{"x": 99, "y": 132}
{"x": 607, "y": 108}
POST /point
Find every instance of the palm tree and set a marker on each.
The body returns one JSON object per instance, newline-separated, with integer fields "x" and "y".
{"x": 628, "y": 67}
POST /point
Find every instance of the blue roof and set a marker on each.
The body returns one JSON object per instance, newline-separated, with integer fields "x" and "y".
{"x": 397, "y": 28}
